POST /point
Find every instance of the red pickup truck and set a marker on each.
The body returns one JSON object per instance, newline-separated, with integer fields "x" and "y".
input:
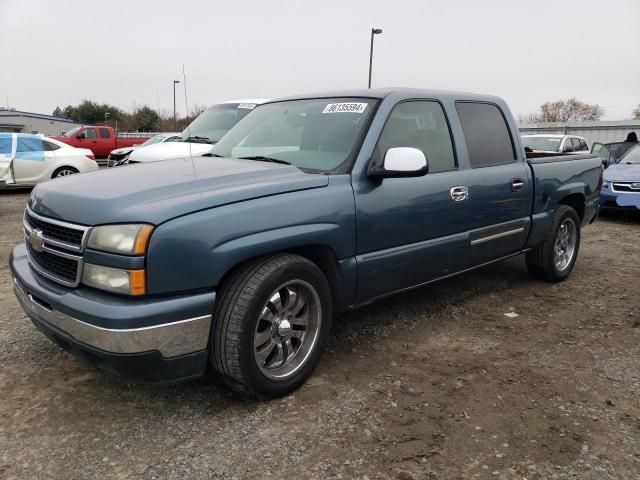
{"x": 100, "y": 140}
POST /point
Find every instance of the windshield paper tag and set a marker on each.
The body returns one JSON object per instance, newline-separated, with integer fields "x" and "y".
{"x": 345, "y": 108}
{"x": 247, "y": 106}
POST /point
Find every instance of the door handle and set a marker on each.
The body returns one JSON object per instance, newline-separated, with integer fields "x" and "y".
{"x": 459, "y": 193}
{"x": 517, "y": 184}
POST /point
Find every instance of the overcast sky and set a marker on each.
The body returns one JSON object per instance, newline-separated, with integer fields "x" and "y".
{"x": 128, "y": 52}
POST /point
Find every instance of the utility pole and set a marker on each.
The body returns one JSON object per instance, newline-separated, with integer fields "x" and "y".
{"x": 374, "y": 31}
{"x": 175, "y": 121}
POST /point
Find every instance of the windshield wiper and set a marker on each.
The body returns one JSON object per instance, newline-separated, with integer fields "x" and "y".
{"x": 197, "y": 139}
{"x": 261, "y": 158}
{"x": 213, "y": 155}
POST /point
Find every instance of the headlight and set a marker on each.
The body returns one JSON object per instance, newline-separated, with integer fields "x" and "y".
{"x": 129, "y": 282}
{"x": 605, "y": 184}
{"x": 126, "y": 239}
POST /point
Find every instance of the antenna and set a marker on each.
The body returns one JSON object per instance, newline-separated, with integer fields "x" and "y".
{"x": 186, "y": 108}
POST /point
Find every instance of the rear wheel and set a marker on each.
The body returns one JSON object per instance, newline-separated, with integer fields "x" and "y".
{"x": 272, "y": 323}
{"x": 64, "y": 171}
{"x": 555, "y": 257}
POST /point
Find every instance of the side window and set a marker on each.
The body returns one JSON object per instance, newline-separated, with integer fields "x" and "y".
{"x": 89, "y": 133}
{"x": 29, "y": 144}
{"x": 420, "y": 124}
{"x": 29, "y": 148}
{"x": 568, "y": 145}
{"x": 49, "y": 146}
{"x": 486, "y": 133}
{"x": 5, "y": 145}
{"x": 583, "y": 145}
{"x": 104, "y": 133}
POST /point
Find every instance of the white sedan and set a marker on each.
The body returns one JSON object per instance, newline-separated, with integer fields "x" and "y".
{"x": 27, "y": 159}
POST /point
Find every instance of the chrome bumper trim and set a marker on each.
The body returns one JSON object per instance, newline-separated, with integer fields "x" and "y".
{"x": 170, "y": 339}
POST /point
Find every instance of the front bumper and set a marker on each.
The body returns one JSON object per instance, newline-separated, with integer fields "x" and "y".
{"x": 158, "y": 339}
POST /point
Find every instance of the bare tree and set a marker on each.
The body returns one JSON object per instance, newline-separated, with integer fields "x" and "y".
{"x": 572, "y": 110}
{"x": 636, "y": 113}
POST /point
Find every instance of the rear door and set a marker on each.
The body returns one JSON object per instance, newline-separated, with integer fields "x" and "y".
{"x": 500, "y": 184}
{"x": 32, "y": 160}
{"x": 106, "y": 143}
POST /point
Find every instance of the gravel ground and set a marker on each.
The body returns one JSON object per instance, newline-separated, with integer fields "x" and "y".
{"x": 433, "y": 384}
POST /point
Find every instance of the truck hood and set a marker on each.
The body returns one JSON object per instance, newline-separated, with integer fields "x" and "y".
{"x": 622, "y": 172}
{"x": 158, "y": 191}
{"x": 168, "y": 150}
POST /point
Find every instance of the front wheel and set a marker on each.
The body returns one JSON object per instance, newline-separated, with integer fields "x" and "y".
{"x": 555, "y": 257}
{"x": 271, "y": 325}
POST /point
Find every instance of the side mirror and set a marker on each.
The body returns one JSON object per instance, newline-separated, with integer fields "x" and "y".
{"x": 400, "y": 162}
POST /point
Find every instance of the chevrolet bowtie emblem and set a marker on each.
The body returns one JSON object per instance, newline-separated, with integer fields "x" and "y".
{"x": 36, "y": 240}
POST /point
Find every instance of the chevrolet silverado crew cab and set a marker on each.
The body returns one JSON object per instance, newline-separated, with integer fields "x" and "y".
{"x": 310, "y": 205}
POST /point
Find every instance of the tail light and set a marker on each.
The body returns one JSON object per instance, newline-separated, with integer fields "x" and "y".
{"x": 91, "y": 157}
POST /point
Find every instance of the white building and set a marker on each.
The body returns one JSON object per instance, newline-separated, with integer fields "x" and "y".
{"x": 26, "y": 122}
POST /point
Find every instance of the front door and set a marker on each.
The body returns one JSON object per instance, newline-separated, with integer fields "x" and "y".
{"x": 411, "y": 230}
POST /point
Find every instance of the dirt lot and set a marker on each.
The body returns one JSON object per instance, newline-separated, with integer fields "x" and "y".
{"x": 435, "y": 384}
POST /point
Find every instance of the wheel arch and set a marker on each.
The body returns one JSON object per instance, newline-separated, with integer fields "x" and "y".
{"x": 575, "y": 201}
{"x": 324, "y": 257}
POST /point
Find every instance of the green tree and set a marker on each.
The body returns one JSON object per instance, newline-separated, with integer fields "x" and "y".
{"x": 636, "y": 113}
{"x": 92, "y": 112}
{"x": 145, "y": 119}
{"x": 58, "y": 112}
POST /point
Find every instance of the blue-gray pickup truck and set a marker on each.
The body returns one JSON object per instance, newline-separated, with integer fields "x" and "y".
{"x": 238, "y": 261}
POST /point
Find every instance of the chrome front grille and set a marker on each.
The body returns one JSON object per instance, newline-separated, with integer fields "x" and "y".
{"x": 55, "y": 247}
{"x": 626, "y": 187}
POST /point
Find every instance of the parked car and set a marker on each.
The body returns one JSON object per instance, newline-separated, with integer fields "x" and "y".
{"x": 610, "y": 153}
{"x": 555, "y": 144}
{"x": 122, "y": 154}
{"x": 203, "y": 132}
{"x": 27, "y": 159}
{"x": 100, "y": 140}
{"x": 621, "y": 187}
{"x": 311, "y": 205}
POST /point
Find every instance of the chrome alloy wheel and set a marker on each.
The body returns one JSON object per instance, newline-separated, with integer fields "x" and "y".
{"x": 565, "y": 244}
{"x": 287, "y": 330}
{"x": 64, "y": 172}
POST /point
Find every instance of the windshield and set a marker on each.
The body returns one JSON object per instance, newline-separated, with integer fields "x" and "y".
{"x": 154, "y": 139}
{"x": 71, "y": 132}
{"x": 213, "y": 123}
{"x": 316, "y": 134}
{"x": 547, "y": 144}
{"x": 631, "y": 157}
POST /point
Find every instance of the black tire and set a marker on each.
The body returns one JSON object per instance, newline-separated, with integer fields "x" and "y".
{"x": 540, "y": 261}
{"x": 59, "y": 170}
{"x": 241, "y": 299}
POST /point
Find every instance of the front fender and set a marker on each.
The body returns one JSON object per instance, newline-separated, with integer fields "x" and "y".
{"x": 196, "y": 251}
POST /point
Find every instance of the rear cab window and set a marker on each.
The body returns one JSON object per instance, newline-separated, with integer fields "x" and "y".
{"x": 486, "y": 133}
{"x": 104, "y": 133}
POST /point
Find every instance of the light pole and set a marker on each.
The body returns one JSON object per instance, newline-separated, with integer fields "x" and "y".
{"x": 175, "y": 121}
{"x": 374, "y": 31}
{"x": 106, "y": 116}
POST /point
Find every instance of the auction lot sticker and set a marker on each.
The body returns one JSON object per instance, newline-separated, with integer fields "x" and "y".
{"x": 247, "y": 106}
{"x": 345, "y": 108}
